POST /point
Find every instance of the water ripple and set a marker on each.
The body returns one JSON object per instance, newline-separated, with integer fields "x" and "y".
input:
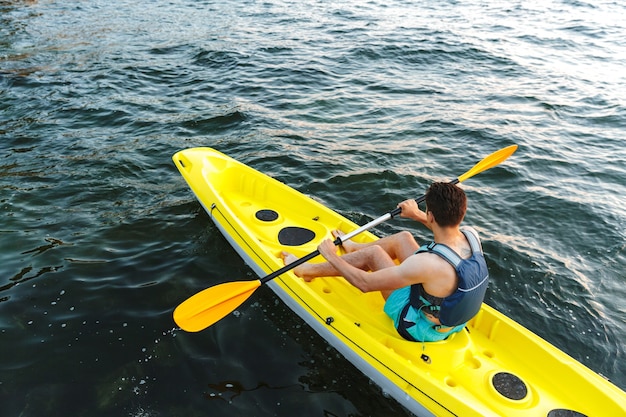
{"x": 359, "y": 105}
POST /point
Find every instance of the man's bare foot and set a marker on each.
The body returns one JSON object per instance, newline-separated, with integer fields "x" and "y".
{"x": 348, "y": 245}
{"x": 289, "y": 258}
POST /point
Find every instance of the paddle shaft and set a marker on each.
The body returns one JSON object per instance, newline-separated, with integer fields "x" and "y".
{"x": 389, "y": 215}
{"x": 381, "y": 219}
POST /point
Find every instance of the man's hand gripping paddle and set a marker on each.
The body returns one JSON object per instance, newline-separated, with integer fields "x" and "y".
{"x": 212, "y": 304}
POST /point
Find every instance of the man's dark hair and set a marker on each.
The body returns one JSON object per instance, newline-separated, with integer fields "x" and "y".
{"x": 447, "y": 202}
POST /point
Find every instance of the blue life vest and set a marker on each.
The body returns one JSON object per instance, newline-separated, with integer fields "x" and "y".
{"x": 465, "y": 302}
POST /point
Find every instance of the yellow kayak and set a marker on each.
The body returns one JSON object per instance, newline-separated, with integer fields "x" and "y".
{"x": 494, "y": 367}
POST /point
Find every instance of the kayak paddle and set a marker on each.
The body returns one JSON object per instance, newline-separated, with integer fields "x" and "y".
{"x": 212, "y": 304}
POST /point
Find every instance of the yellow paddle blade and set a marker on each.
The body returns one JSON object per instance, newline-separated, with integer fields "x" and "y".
{"x": 489, "y": 162}
{"x": 209, "y": 306}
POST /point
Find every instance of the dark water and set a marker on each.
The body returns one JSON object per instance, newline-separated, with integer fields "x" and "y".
{"x": 360, "y": 104}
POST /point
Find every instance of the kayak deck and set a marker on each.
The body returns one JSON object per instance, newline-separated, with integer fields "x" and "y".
{"x": 493, "y": 367}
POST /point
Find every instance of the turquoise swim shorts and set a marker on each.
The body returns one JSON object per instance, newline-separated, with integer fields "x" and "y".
{"x": 423, "y": 330}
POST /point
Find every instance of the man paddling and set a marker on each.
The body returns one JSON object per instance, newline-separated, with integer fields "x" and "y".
{"x": 433, "y": 290}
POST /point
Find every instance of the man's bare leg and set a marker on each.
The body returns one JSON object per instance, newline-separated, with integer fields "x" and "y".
{"x": 398, "y": 246}
{"x": 370, "y": 258}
